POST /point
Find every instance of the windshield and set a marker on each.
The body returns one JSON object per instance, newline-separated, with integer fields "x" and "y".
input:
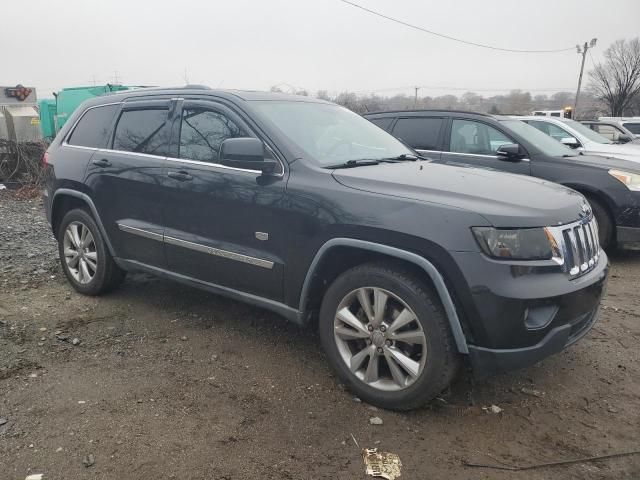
{"x": 546, "y": 144}
{"x": 329, "y": 133}
{"x": 586, "y": 131}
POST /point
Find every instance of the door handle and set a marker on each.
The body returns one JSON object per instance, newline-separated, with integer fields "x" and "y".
{"x": 103, "y": 162}
{"x": 181, "y": 176}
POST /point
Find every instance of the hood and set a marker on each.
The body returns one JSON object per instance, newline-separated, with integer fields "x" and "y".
{"x": 606, "y": 162}
{"x": 503, "y": 199}
{"x": 630, "y": 152}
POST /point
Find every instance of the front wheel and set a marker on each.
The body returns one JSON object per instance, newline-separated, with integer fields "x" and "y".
{"x": 387, "y": 337}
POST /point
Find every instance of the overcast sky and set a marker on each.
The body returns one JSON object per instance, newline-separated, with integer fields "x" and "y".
{"x": 308, "y": 44}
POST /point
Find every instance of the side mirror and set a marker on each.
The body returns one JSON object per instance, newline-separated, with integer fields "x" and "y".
{"x": 509, "y": 151}
{"x": 247, "y": 153}
{"x": 571, "y": 142}
{"x": 624, "y": 138}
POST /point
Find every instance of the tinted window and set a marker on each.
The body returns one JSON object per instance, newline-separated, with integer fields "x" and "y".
{"x": 468, "y": 136}
{"x": 202, "y": 132}
{"x": 419, "y": 133}
{"x": 383, "y": 123}
{"x": 633, "y": 127}
{"x": 93, "y": 128}
{"x": 143, "y": 131}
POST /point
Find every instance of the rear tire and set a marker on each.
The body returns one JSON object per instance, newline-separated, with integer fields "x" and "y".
{"x": 605, "y": 223}
{"x": 387, "y": 337}
{"x": 84, "y": 256}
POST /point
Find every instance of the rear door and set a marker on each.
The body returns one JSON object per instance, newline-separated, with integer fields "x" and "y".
{"x": 127, "y": 181}
{"x": 224, "y": 224}
{"x": 424, "y": 134}
{"x": 474, "y": 143}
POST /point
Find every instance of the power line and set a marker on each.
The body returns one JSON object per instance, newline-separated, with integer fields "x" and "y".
{"x": 448, "y": 37}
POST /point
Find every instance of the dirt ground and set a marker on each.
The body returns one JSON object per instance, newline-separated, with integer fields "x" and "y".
{"x": 168, "y": 382}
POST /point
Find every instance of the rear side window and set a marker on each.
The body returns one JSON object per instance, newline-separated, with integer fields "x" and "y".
{"x": 383, "y": 123}
{"x": 93, "y": 128}
{"x": 633, "y": 127}
{"x": 420, "y": 133}
{"x": 143, "y": 131}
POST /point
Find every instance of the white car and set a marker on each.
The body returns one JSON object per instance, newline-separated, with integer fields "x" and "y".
{"x": 580, "y": 137}
{"x": 630, "y": 123}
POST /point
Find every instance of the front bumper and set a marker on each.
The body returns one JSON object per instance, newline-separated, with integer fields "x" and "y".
{"x": 516, "y": 317}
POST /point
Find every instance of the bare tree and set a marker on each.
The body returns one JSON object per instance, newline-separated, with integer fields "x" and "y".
{"x": 616, "y": 82}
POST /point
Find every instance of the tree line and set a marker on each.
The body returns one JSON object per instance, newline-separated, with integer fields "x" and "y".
{"x": 613, "y": 90}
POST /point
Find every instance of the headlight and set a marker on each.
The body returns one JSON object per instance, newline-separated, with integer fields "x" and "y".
{"x": 517, "y": 244}
{"x": 631, "y": 180}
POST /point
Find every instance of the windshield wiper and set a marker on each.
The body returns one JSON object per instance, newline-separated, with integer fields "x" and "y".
{"x": 405, "y": 156}
{"x": 354, "y": 163}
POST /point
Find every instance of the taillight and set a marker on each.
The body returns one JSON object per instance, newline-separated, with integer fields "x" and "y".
{"x": 45, "y": 159}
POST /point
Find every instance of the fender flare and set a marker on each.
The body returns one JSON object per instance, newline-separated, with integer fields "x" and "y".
{"x": 85, "y": 198}
{"x": 427, "y": 266}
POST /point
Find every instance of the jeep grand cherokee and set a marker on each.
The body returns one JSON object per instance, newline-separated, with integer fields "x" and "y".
{"x": 307, "y": 209}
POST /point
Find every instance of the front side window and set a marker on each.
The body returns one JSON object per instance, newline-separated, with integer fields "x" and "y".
{"x": 143, "y": 131}
{"x": 202, "y": 131}
{"x": 468, "y": 136}
{"x": 93, "y": 128}
{"x": 607, "y": 131}
{"x": 420, "y": 133}
{"x": 383, "y": 123}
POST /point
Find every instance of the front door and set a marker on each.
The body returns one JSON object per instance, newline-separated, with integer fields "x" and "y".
{"x": 222, "y": 223}
{"x": 127, "y": 179}
{"x": 475, "y": 143}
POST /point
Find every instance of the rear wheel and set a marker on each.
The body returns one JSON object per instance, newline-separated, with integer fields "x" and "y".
{"x": 387, "y": 337}
{"x": 605, "y": 223}
{"x": 85, "y": 259}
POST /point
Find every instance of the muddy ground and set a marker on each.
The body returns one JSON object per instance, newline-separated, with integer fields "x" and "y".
{"x": 169, "y": 382}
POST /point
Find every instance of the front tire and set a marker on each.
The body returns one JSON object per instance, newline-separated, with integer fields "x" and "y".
{"x": 605, "y": 224}
{"x": 84, "y": 256}
{"x": 387, "y": 337}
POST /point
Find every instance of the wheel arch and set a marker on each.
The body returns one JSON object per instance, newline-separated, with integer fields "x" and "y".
{"x": 64, "y": 200}
{"x": 601, "y": 197}
{"x": 364, "y": 250}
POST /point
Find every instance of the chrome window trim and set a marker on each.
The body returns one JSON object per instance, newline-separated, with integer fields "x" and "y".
{"x": 197, "y": 247}
{"x": 65, "y": 142}
{"x": 126, "y": 152}
{"x": 216, "y": 165}
{"x": 494, "y": 157}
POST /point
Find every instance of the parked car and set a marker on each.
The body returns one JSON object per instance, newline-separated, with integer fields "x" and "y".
{"x": 611, "y": 185}
{"x": 305, "y": 208}
{"x": 581, "y": 138}
{"x": 630, "y": 123}
{"x": 614, "y": 131}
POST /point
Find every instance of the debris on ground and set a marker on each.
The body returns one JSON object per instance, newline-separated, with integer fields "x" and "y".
{"x": 492, "y": 409}
{"x": 35, "y": 476}
{"x": 375, "y": 421}
{"x": 88, "y": 460}
{"x": 75, "y": 341}
{"x": 532, "y": 392}
{"x": 381, "y": 464}
{"x": 3, "y": 421}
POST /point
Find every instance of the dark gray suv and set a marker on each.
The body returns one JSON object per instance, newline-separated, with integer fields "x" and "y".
{"x": 302, "y": 207}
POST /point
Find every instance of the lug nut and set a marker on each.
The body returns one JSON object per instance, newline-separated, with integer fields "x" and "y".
{"x": 383, "y": 328}
{"x": 379, "y": 349}
{"x": 370, "y": 327}
{"x": 387, "y": 343}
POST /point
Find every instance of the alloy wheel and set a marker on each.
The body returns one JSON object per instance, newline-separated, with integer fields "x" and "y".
{"x": 80, "y": 252}
{"x": 380, "y": 338}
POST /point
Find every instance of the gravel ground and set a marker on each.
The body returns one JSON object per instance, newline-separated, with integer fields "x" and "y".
{"x": 160, "y": 381}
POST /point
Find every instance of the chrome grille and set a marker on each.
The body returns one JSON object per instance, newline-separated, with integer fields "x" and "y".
{"x": 578, "y": 244}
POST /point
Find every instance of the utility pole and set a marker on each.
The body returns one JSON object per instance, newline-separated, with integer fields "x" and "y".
{"x": 582, "y": 50}
{"x": 415, "y": 98}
